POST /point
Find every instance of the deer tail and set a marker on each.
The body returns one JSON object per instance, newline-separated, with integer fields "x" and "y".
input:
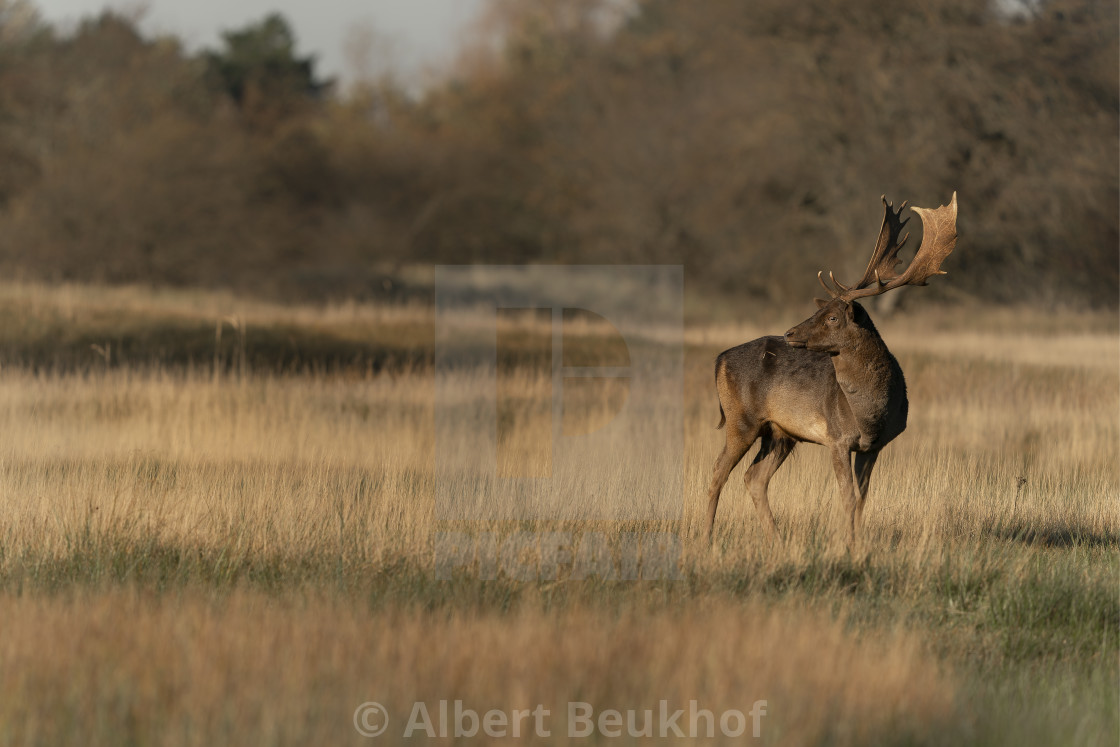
{"x": 722, "y": 416}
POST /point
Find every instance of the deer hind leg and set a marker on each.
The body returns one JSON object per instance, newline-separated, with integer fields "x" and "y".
{"x": 739, "y": 441}
{"x": 865, "y": 463}
{"x": 773, "y": 450}
{"x": 845, "y": 478}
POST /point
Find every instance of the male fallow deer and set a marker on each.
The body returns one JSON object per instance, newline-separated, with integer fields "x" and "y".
{"x": 830, "y": 380}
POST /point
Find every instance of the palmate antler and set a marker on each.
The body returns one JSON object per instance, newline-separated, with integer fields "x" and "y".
{"x": 939, "y": 236}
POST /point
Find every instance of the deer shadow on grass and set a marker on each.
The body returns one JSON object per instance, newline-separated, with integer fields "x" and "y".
{"x": 1054, "y": 535}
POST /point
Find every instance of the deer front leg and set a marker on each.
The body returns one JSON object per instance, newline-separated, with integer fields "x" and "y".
{"x": 845, "y": 478}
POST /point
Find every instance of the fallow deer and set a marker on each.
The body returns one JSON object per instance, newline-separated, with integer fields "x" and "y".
{"x": 830, "y": 380}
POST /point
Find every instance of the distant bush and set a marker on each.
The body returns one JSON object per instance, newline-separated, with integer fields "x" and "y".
{"x": 747, "y": 141}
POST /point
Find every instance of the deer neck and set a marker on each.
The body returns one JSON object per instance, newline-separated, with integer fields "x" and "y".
{"x": 865, "y": 371}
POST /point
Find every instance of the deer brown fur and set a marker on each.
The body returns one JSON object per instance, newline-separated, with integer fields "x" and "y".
{"x": 830, "y": 380}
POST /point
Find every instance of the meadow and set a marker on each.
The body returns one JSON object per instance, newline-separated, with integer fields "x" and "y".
{"x": 218, "y": 521}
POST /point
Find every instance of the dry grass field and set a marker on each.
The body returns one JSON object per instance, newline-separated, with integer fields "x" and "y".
{"x": 228, "y": 539}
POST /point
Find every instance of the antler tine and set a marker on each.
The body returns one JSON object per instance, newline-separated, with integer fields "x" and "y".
{"x": 839, "y": 288}
{"x": 820, "y": 278}
{"x": 837, "y": 283}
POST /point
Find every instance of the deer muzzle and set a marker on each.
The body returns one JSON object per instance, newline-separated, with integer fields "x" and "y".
{"x": 794, "y": 338}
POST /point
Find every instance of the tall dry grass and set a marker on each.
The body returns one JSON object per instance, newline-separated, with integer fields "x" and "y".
{"x": 121, "y": 666}
{"x": 1019, "y": 431}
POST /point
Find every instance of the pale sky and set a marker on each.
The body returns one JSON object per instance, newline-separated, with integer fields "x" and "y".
{"x": 409, "y": 34}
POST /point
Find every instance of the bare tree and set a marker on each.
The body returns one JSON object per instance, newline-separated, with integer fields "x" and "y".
{"x": 830, "y": 380}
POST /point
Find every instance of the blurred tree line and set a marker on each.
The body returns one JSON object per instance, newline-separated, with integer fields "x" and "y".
{"x": 749, "y": 141}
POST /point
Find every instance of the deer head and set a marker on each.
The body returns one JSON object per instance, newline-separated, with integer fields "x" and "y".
{"x": 829, "y": 329}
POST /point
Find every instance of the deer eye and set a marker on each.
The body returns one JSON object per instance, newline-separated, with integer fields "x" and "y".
{"x": 833, "y": 319}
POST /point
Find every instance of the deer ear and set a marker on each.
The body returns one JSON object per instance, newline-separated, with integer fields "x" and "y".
{"x": 821, "y": 303}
